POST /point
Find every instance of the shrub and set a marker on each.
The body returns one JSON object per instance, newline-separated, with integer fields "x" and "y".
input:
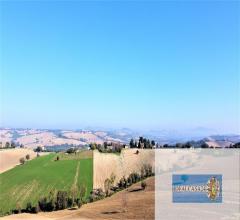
{"x": 46, "y": 205}
{"x": 43, "y": 204}
{"x": 79, "y": 203}
{"x": 82, "y": 192}
{"x": 39, "y": 149}
{"x": 96, "y": 194}
{"x": 143, "y": 185}
{"x": 146, "y": 171}
{"x": 122, "y": 183}
{"x": 22, "y": 160}
{"x": 71, "y": 150}
{"x": 61, "y": 202}
{"x": 35, "y": 209}
{"x": 29, "y": 207}
{"x": 70, "y": 202}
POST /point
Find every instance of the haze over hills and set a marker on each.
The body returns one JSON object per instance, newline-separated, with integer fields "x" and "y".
{"x": 32, "y": 138}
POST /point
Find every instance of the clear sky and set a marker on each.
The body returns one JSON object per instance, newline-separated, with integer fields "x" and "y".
{"x": 150, "y": 65}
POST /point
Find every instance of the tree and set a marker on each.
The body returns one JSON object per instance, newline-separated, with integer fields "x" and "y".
{"x": 13, "y": 145}
{"x": 188, "y": 145}
{"x": 105, "y": 144}
{"x": 7, "y": 145}
{"x": 131, "y": 144}
{"x": 29, "y": 207}
{"x": 179, "y": 145}
{"x": 18, "y": 208}
{"x": 139, "y": 144}
{"x": 71, "y": 150}
{"x": 38, "y": 149}
{"x": 74, "y": 195}
{"x": 93, "y": 146}
{"x": 61, "y": 202}
{"x": 204, "y": 145}
{"x": 143, "y": 185}
{"x": 22, "y": 160}
{"x": 82, "y": 191}
{"x": 153, "y": 143}
{"x": 27, "y": 157}
{"x": 107, "y": 186}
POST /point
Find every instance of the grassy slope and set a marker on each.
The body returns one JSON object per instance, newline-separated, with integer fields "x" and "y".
{"x": 38, "y": 177}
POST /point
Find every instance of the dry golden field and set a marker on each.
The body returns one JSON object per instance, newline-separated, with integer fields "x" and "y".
{"x": 104, "y": 164}
{"x": 9, "y": 158}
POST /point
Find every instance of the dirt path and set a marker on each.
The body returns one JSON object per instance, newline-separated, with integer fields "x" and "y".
{"x": 76, "y": 175}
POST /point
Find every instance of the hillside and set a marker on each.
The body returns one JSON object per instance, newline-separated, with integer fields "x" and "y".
{"x": 32, "y": 138}
{"x": 38, "y": 177}
{"x": 121, "y": 165}
{"x": 9, "y": 158}
{"x": 127, "y": 204}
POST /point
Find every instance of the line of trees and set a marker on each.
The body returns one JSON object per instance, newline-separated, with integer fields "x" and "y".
{"x": 110, "y": 189}
{"x": 107, "y": 147}
{"x": 56, "y": 201}
{"x": 188, "y": 144}
{"x": 237, "y": 145}
{"x": 143, "y": 143}
{"x": 9, "y": 145}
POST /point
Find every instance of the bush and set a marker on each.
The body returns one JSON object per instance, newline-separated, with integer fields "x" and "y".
{"x": 143, "y": 185}
{"x": 146, "y": 171}
{"x": 71, "y": 150}
{"x": 39, "y": 149}
{"x": 22, "y": 161}
{"x": 29, "y": 207}
{"x": 96, "y": 194}
{"x": 35, "y": 209}
{"x": 46, "y": 205}
{"x": 61, "y": 202}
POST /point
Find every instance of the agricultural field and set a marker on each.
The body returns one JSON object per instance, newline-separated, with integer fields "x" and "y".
{"x": 45, "y": 174}
{"x": 9, "y": 158}
{"x": 129, "y": 161}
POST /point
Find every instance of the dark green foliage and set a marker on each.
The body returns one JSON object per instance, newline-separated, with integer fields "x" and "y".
{"x": 61, "y": 201}
{"x": 142, "y": 143}
{"x": 71, "y": 150}
{"x": 131, "y": 144}
{"x": 237, "y": 145}
{"x": 39, "y": 149}
{"x": 46, "y": 205}
{"x": 107, "y": 147}
{"x": 96, "y": 194}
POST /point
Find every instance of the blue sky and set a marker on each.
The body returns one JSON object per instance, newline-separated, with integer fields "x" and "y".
{"x": 149, "y": 65}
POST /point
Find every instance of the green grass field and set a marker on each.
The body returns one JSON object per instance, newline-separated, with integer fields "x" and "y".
{"x": 35, "y": 179}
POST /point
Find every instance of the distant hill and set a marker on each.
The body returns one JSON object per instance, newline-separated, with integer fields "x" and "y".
{"x": 220, "y": 141}
{"x": 32, "y": 138}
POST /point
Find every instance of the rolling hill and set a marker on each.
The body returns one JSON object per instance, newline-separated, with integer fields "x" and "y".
{"x": 38, "y": 177}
